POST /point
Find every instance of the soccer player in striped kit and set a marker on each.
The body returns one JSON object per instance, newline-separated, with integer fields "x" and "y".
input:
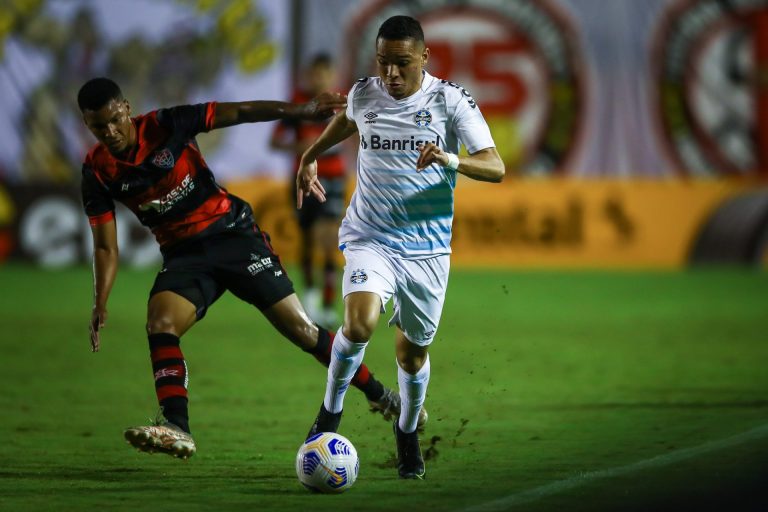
{"x": 208, "y": 238}
{"x": 396, "y": 234}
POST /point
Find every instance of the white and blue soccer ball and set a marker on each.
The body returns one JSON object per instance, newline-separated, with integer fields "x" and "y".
{"x": 327, "y": 462}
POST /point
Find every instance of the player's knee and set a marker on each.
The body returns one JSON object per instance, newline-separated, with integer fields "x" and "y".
{"x": 361, "y": 315}
{"x": 410, "y": 357}
{"x": 359, "y": 328}
{"x": 161, "y": 324}
{"x": 411, "y": 362}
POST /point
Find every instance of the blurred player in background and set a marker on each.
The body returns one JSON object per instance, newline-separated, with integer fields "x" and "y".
{"x": 396, "y": 233}
{"x": 318, "y": 221}
{"x": 208, "y": 238}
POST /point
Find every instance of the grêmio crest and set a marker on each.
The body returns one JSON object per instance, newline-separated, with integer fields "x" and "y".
{"x": 422, "y": 118}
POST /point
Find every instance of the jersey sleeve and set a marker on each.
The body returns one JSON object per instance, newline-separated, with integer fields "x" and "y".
{"x": 188, "y": 120}
{"x": 98, "y": 205}
{"x": 469, "y": 124}
{"x": 351, "y": 99}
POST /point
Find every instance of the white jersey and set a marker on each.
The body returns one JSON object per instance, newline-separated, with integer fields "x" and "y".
{"x": 407, "y": 211}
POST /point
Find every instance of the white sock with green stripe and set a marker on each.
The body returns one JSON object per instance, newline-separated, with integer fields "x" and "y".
{"x": 346, "y": 357}
{"x": 413, "y": 391}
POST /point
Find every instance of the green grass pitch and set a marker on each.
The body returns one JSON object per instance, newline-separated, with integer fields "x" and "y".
{"x": 549, "y": 391}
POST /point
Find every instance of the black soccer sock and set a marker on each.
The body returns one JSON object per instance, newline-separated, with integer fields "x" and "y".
{"x": 329, "y": 283}
{"x": 363, "y": 379}
{"x": 170, "y": 372}
{"x": 306, "y": 260}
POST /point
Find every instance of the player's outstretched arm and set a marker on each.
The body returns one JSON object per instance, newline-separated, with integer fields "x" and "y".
{"x": 319, "y": 107}
{"x": 105, "y": 262}
{"x": 483, "y": 165}
{"x": 340, "y": 128}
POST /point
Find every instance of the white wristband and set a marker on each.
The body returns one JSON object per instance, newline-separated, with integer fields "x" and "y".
{"x": 453, "y": 162}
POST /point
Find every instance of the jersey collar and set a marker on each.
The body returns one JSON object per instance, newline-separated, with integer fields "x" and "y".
{"x": 426, "y": 82}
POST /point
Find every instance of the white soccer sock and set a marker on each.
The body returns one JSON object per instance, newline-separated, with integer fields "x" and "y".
{"x": 346, "y": 357}
{"x": 413, "y": 391}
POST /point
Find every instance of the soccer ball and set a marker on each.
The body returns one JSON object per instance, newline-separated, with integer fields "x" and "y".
{"x": 327, "y": 462}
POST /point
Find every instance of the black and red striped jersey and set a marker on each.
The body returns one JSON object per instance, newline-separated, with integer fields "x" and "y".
{"x": 164, "y": 181}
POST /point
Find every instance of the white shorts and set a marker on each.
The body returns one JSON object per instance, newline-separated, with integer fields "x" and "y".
{"x": 416, "y": 287}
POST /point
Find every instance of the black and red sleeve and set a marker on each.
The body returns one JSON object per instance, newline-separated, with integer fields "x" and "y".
{"x": 188, "y": 120}
{"x": 98, "y": 205}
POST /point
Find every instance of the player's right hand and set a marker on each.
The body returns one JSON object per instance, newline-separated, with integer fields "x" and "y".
{"x": 307, "y": 183}
{"x": 429, "y": 154}
{"x": 323, "y": 106}
{"x": 98, "y": 319}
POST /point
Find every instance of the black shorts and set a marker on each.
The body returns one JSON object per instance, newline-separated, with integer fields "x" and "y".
{"x": 332, "y": 208}
{"x": 241, "y": 261}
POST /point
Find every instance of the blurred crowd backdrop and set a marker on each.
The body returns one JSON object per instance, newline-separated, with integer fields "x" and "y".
{"x": 635, "y": 133}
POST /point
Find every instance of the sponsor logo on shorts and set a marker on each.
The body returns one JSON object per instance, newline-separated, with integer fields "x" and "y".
{"x": 278, "y": 273}
{"x": 429, "y": 334}
{"x": 358, "y": 276}
{"x": 259, "y": 265}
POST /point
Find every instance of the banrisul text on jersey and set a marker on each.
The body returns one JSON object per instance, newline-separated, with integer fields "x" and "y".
{"x": 408, "y": 211}
{"x": 412, "y": 143}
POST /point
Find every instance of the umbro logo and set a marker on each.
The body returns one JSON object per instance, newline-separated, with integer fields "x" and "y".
{"x": 370, "y": 116}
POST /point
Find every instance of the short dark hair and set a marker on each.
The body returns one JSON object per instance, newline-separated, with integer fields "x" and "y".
{"x": 321, "y": 59}
{"x": 97, "y": 92}
{"x": 398, "y": 28}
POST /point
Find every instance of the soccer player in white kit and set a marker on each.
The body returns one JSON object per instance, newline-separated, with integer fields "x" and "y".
{"x": 396, "y": 234}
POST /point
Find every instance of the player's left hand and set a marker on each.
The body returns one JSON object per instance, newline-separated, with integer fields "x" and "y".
{"x": 430, "y": 154}
{"x": 323, "y": 106}
{"x": 98, "y": 320}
